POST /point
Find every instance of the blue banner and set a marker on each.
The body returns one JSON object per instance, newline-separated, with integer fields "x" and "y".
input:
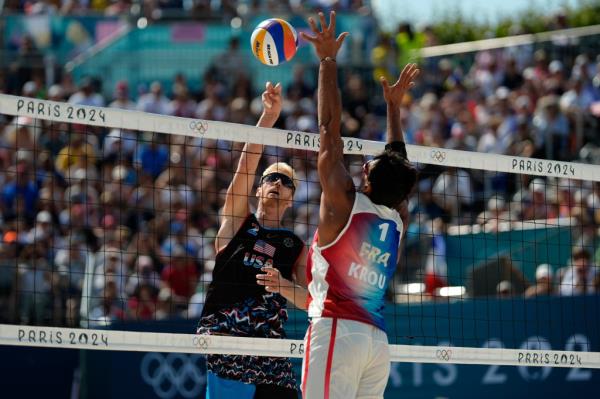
{"x": 526, "y": 249}
{"x": 544, "y": 323}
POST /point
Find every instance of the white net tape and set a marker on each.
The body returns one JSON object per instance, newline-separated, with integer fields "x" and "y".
{"x": 68, "y": 338}
{"x": 134, "y": 120}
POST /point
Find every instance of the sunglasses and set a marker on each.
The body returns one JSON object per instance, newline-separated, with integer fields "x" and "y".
{"x": 273, "y": 177}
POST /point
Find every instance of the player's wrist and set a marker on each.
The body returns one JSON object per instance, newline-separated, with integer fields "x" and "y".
{"x": 267, "y": 116}
{"x": 393, "y": 104}
{"x": 327, "y": 58}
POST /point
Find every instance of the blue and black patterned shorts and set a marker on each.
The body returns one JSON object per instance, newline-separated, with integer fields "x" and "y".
{"x": 255, "y": 317}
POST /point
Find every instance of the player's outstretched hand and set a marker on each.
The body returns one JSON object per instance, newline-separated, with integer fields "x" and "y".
{"x": 324, "y": 40}
{"x": 393, "y": 94}
{"x": 271, "y": 100}
{"x": 272, "y": 280}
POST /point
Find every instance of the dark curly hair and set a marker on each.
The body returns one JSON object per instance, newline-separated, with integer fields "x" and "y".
{"x": 391, "y": 178}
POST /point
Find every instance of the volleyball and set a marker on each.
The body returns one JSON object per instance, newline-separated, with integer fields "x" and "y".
{"x": 274, "y": 41}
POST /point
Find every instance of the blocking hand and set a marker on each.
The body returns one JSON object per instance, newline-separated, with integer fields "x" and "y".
{"x": 393, "y": 94}
{"x": 324, "y": 41}
{"x": 271, "y": 100}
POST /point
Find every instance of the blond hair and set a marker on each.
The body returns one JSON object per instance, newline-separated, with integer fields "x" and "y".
{"x": 283, "y": 168}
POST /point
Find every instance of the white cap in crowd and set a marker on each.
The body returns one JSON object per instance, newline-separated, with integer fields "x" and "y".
{"x": 543, "y": 270}
{"x": 43, "y": 217}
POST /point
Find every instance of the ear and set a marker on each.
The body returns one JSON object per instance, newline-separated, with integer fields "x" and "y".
{"x": 259, "y": 191}
{"x": 366, "y": 184}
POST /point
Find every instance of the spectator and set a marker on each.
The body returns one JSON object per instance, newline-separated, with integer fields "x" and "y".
{"x": 551, "y": 128}
{"x": 578, "y": 279}
{"x": 42, "y": 229}
{"x": 111, "y": 269}
{"x": 228, "y": 62}
{"x": 495, "y": 213}
{"x": 20, "y": 195}
{"x": 165, "y": 308}
{"x": 578, "y": 98}
{"x": 8, "y": 287}
{"x": 29, "y": 60}
{"x": 408, "y": 43}
{"x": 539, "y": 208}
{"x": 70, "y": 265}
{"x": 144, "y": 275}
{"x": 34, "y": 285}
{"x": 504, "y": 289}
{"x": 453, "y": 192}
{"x": 154, "y": 102}
{"x": 117, "y": 8}
{"x": 299, "y": 87}
{"x": 196, "y": 304}
{"x": 122, "y": 100}
{"x": 512, "y": 79}
{"x": 213, "y": 106}
{"x": 110, "y": 308}
{"x": 86, "y": 95}
{"x": 180, "y": 275}
{"x": 436, "y": 268}
{"x": 119, "y": 145}
{"x": 383, "y": 58}
{"x": 181, "y": 105}
{"x": 543, "y": 282}
{"x": 142, "y": 305}
{"x": 152, "y": 156}
{"x": 77, "y": 148}
{"x": 21, "y": 134}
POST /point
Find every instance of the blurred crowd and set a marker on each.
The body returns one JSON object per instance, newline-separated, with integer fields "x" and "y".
{"x": 157, "y": 9}
{"x": 129, "y": 217}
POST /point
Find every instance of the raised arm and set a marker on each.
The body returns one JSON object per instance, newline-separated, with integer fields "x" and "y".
{"x": 336, "y": 183}
{"x": 236, "y": 206}
{"x": 393, "y": 96}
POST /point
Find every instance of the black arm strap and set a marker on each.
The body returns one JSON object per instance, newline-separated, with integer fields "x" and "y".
{"x": 397, "y": 146}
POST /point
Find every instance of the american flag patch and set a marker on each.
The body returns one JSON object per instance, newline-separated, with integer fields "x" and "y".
{"x": 264, "y": 248}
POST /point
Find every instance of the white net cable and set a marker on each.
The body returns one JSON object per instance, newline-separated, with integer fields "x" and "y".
{"x": 69, "y": 338}
{"x": 135, "y": 120}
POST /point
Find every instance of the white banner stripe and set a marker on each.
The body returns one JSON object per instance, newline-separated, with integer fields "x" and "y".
{"x": 71, "y": 338}
{"x": 135, "y": 120}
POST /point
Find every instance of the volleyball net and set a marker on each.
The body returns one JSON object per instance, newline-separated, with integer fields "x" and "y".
{"x": 110, "y": 216}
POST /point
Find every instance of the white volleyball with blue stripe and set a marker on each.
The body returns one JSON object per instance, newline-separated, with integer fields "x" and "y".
{"x": 274, "y": 41}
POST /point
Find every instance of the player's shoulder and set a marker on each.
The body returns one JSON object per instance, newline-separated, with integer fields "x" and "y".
{"x": 363, "y": 204}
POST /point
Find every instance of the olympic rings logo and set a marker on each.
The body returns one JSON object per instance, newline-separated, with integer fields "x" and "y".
{"x": 201, "y": 341}
{"x": 199, "y": 126}
{"x": 443, "y": 354}
{"x": 174, "y": 373}
{"x": 438, "y": 155}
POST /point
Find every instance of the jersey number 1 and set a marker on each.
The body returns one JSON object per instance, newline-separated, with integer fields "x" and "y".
{"x": 384, "y": 229}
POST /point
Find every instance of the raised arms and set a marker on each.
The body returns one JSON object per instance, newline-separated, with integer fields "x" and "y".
{"x": 393, "y": 96}
{"x": 236, "y": 206}
{"x": 336, "y": 183}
